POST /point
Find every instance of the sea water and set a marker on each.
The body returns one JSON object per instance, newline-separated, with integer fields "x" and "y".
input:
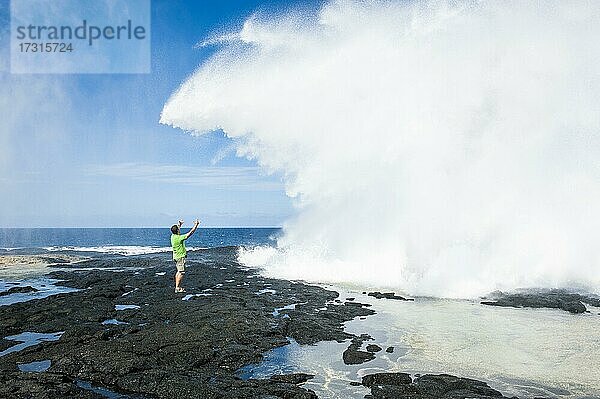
{"x": 125, "y": 241}
{"x": 523, "y": 352}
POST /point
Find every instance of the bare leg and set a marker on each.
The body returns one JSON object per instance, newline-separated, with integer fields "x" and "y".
{"x": 178, "y": 279}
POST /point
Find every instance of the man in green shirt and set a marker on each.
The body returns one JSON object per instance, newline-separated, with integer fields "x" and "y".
{"x": 179, "y": 252}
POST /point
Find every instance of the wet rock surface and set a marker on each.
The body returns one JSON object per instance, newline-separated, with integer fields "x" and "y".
{"x": 373, "y": 348}
{"x": 553, "y": 299}
{"x": 5, "y": 344}
{"x": 18, "y": 290}
{"x": 33, "y": 259}
{"x": 386, "y": 379}
{"x": 353, "y": 355}
{"x": 297, "y": 378}
{"x": 402, "y": 386}
{"x": 41, "y": 386}
{"x": 388, "y": 295}
{"x": 169, "y": 347}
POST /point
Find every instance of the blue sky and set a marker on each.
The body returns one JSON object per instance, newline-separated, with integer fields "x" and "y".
{"x": 88, "y": 151}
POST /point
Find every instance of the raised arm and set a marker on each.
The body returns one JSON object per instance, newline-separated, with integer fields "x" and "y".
{"x": 193, "y": 230}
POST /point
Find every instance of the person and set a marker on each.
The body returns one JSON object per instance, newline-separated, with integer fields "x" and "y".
{"x": 179, "y": 251}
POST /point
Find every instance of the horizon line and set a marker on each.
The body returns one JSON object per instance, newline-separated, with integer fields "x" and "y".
{"x": 139, "y": 227}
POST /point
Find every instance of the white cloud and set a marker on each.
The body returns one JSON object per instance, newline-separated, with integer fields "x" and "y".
{"x": 223, "y": 177}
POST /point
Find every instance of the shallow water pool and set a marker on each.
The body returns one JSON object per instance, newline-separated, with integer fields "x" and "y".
{"x": 522, "y": 352}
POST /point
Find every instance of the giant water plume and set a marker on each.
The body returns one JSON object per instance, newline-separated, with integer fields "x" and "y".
{"x": 441, "y": 148}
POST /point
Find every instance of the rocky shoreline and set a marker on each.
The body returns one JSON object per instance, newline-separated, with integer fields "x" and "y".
{"x": 163, "y": 344}
{"x": 126, "y": 334}
{"x": 550, "y": 299}
{"x": 403, "y": 386}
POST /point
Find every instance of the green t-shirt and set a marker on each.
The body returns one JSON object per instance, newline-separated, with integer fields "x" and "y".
{"x": 178, "y": 244}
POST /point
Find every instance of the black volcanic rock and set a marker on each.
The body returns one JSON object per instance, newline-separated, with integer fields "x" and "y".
{"x": 386, "y": 379}
{"x": 358, "y": 304}
{"x": 353, "y": 354}
{"x": 573, "y": 307}
{"x": 169, "y": 347}
{"x": 447, "y": 385}
{"x": 18, "y": 290}
{"x": 553, "y": 299}
{"x": 297, "y": 378}
{"x": 401, "y": 386}
{"x": 373, "y": 348}
{"x": 356, "y": 356}
{"x": 388, "y": 295}
{"x": 18, "y": 385}
{"x": 5, "y": 344}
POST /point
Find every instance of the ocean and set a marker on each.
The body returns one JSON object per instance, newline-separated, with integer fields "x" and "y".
{"x": 127, "y": 241}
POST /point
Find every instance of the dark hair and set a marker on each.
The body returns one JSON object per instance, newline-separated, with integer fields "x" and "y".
{"x": 174, "y": 229}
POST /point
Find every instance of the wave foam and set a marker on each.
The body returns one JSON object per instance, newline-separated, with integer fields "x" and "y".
{"x": 445, "y": 148}
{"x": 126, "y": 250}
